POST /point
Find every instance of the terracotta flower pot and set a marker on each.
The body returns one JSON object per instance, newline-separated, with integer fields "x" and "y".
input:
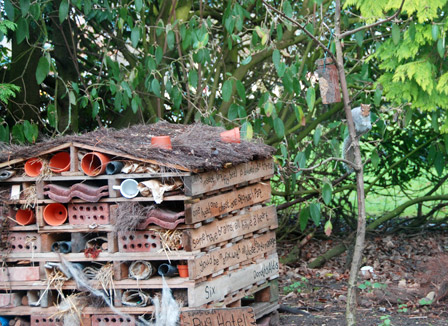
{"x": 183, "y": 270}
{"x": 161, "y": 142}
{"x": 94, "y": 163}
{"x": 33, "y": 167}
{"x": 231, "y": 136}
{"x": 60, "y": 162}
{"x": 55, "y": 214}
{"x": 25, "y": 217}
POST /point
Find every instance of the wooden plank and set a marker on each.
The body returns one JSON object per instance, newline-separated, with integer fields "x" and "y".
{"x": 83, "y": 177}
{"x": 225, "y": 203}
{"x": 131, "y": 157}
{"x": 21, "y": 159}
{"x": 204, "y": 182}
{"x": 219, "y": 317}
{"x": 104, "y": 256}
{"x": 216, "y": 290}
{"x": 74, "y": 159}
{"x": 235, "y": 253}
{"x": 230, "y": 228}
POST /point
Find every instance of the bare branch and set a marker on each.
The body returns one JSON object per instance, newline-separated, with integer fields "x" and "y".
{"x": 278, "y": 12}
{"x": 348, "y": 33}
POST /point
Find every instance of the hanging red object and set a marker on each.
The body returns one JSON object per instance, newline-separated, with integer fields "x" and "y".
{"x": 328, "y": 81}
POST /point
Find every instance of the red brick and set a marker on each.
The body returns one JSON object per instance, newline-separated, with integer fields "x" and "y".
{"x": 138, "y": 241}
{"x": 88, "y": 214}
{"x": 112, "y": 320}
{"x": 24, "y": 242}
{"x": 9, "y": 300}
{"x": 22, "y": 273}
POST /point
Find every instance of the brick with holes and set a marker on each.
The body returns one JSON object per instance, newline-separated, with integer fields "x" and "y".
{"x": 24, "y": 242}
{"x": 86, "y": 214}
{"x": 138, "y": 241}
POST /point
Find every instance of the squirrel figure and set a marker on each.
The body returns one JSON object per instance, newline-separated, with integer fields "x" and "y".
{"x": 361, "y": 119}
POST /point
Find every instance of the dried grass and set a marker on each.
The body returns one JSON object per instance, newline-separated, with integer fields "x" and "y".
{"x": 129, "y": 215}
{"x": 195, "y": 147}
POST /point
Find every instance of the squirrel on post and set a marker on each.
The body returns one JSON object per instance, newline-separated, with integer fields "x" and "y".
{"x": 361, "y": 119}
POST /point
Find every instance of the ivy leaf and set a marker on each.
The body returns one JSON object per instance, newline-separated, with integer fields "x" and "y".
{"x": 304, "y": 217}
{"x": 328, "y": 228}
{"x": 315, "y": 213}
{"x": 43, "y": 68}
{"x": 155, "y": 87}
{"x": 227, "y": 90}
{"x": 326, "y": 193}
{"x": 279, "y": 127}
{"x": 63, "y": 10}
{"x": 310, "y": 97}
{"x": 135, "y": 36}
{"x": 395, "y": 34}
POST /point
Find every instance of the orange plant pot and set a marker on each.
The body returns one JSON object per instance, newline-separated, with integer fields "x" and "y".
{"x": 161, "y": 142}
{"x": 183, "y": 270}
{"x": 231, "y": 136}
{"x": 33, "y": 167}
{"x": 25, "y": 217}
{"x": 60, "y": 162}
{"x": 94, "y": 163}
{"x": 55, "y": 214}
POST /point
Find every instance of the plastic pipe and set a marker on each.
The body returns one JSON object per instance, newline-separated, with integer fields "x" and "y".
{"x": 167, "y": 270}
{"x": 114, "y": 167}
{"x": 63, "y": 247}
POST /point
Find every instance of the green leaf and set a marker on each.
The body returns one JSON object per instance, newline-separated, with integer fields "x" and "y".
{"x": 300, "y": 160}
{"x": 95, "y": 109}
{"x": 247, "y": 131}
{"x": 28, "y": 131}
{"x": 327, "y": 191}
{"x": 17, "y": 133}
{"x": 269, "y": 108}
{"x": 440, "y": 48}
{"x": 279, "y": 127}
{"x": 359, "y": 37}
{"x": 4, "y": 133}
{"x": 279, "y": 32}
{"x": 247, "y": 60}
{"x": 281, "y": 69}
{"x": 135, "y": 36}
{"x": 242, "y": 112}
{"x": 63, "y": 10}
{"x": 241, "y": 90}
{"x": 24, "y": 7}
{"x": 51, "y": 115}
{"x": 315, "y": 213}
{"x": 328, "y": 228}
{"x": 425, "y": 302}
{"x": 276, "y": 58}
{"x": 310, "y": 97}
{"x": 304, "y": 217}
{"x": 159, "y": 54}
{"x": 134, "y": 105}
{"x": 227, "y": 90}
{"x": 412, "y": 31}
{"x": 22, "y": 30}
{"x": 177, "y": 98}
{"x": 138, "y": 5}
{"x": 435, "y": 32}
{"x": 233, "y": 111}
{"x": 377, "y": 96}
{"x": 317, "y": 135}
{"x": 126, "y": 88}
{"x": 375, "y": 158}
{"x": 396, "y": 34}
{"x": 287, "y": 9}
{"x": 9, "y": 8}
{"x": 43, "y": 68}
{"x": 439, "y": 163}
{"x": 408, "y": 117}
{"x": 193, "y": 78}
{"x": 155, "y": 87}
{"x": 170, "y": 40}
{"x": 72, "y": 98}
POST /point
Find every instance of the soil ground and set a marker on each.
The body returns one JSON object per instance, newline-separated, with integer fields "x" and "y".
{"x": 408, "y": 285}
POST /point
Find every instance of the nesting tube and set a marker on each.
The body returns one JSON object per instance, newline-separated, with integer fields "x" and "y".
{"x": 33, "y": 167}
{"x": 25, "y": 217}
{"x": 114, "y": 167}
{"x": 94, "y": 163}
{"x": 55, "y": 214}
{"x": 167, "y": 270}
{"x": 60, "y": 162}
{"x": 63, "y": 247}
{"x": 141, "y": 270}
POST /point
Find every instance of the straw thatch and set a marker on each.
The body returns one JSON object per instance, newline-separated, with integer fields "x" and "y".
{"x": 195, "y": 147}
